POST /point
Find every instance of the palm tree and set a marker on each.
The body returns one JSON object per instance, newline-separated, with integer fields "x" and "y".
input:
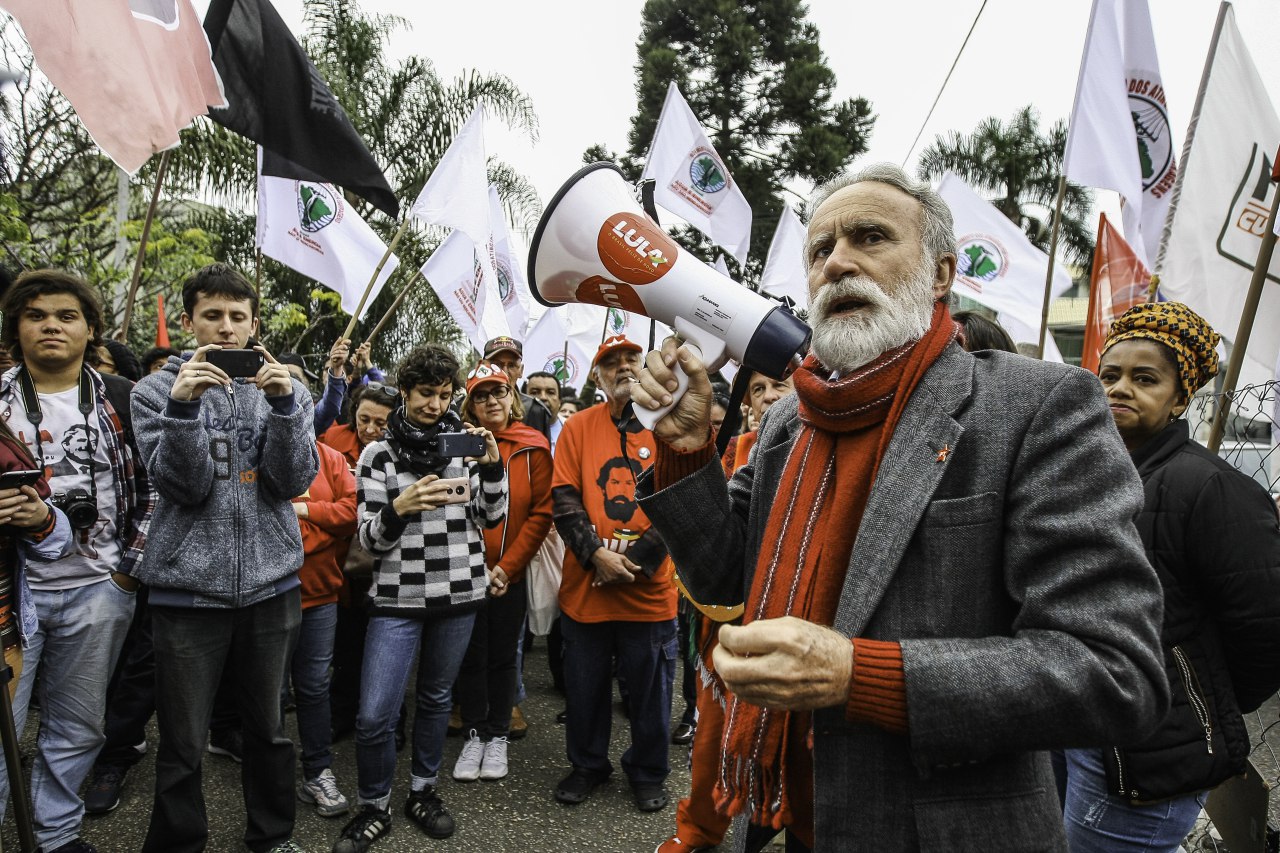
{"x": 1018, "y": 168}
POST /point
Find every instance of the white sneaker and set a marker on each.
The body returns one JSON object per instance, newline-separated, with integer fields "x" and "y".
{"x": 323, "y": 791}
{"x": 495, "y": 760}
{"x": 468, "y": 767}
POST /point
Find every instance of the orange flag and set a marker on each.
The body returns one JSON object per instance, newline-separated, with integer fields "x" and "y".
{"x": 162, "y": 326}
{"x": 1119, "y": 281}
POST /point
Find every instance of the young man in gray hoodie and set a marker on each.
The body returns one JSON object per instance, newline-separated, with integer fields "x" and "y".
{"x": 226, "y": 456}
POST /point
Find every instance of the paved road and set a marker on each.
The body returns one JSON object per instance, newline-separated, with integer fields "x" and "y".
{"x": 517, "y": 814}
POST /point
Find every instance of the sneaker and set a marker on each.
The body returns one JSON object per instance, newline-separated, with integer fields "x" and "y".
{"x": 468, "y": 767}
{"x": 425, "y": 809}
{"x": 229, "y": 743}
{"x": 75, "y": 845}
{"x": 103, "y": 792}
{"x": 494, "y": 766}
{"x": 369, "y": 824}
{"x": 323, "y": 792}
{"x": 675, "y": 845}
{"x": 683, "y": 735}
{"x": 577, "y": 786}
{"x": 289, "y": 846}
{"x": 519, "y": 725}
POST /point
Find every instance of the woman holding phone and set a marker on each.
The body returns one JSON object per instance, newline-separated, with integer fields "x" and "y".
{"x": 487, "y": 683}
{"x": 421, "y": 514}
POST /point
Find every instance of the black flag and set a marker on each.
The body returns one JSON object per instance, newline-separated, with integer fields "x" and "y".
{"x": 277, "y": 98}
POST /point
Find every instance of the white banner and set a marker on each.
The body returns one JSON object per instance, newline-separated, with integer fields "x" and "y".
{"x": 309, "y": 227}
{"x": 456, "y": 273}
{"x": 693, "y": 182}
{"x": 784, "y": 270}
{"x": 1223, "y": 198}
{"x": 456, "y": 195}
{"x": 513, "y": 290}
{"x": 1119, "y": 136}
{"x": 996, "y": 265}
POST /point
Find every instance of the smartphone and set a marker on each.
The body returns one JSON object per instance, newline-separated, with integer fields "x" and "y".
{"x": 236, "y": 363}
{"x": 455, "y": 444}
{"x": 458, "y": 490}
{"x": 15, "y": 479}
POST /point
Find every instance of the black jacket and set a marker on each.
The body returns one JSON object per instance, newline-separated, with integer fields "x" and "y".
{"x": 1212, "y": 535}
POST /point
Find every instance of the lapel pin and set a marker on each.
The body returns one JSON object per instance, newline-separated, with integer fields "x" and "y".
{"x": 944, "y": 453}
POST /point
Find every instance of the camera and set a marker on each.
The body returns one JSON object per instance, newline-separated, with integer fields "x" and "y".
{"x": 79, "y": 506}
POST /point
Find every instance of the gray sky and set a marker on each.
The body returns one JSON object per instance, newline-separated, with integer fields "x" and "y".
{"x": 576, "y": 59}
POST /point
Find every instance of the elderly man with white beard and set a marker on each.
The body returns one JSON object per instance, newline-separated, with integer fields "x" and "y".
{"x": 935, "y": 550}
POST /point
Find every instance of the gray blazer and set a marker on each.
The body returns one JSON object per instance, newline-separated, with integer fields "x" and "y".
{"x": 1011, "y": 572}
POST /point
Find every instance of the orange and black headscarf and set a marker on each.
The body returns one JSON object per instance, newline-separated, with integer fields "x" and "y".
{"x": 1193, "y": 341}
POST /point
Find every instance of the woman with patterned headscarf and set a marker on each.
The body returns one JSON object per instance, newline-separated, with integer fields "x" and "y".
{"x": 1211, "y": 533}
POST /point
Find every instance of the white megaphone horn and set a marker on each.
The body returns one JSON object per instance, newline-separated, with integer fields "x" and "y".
{"x": 595, "y": 244}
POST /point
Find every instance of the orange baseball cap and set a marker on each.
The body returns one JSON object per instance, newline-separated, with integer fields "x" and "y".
{"x": 617, "y": 342}
{"x": 485, "y": 373}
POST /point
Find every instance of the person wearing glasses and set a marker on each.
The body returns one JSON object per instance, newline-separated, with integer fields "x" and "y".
{"x": 487, "y": 683}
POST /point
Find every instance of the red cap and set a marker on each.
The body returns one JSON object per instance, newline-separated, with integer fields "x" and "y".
{"x": 485, "y": 373}
{"x": 617, "y": 342}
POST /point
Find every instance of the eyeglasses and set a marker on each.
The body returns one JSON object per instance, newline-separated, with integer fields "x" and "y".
{"x": 380, "y": 388}
{"x": 499, "y": 393}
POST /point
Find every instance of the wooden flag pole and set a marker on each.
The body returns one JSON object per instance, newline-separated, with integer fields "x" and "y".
{"x": 1048, "y": 276}
{"x": 1241, "y": 342}
{"x": 257, "y": 272}
{"x": 404, "y": 291}
{"x": 377, "y": 271}
{"x": 123, "y": 334}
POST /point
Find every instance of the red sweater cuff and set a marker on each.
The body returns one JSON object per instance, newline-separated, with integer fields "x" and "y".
{"x": 670, "y": 466}
{"x": 878, "y": 691}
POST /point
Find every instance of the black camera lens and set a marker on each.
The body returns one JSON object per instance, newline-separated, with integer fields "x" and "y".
{"x": 79, "y": 507}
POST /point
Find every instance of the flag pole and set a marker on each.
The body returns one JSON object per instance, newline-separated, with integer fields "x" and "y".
{"x": 604, "y": 331}
{"x": 1048, "y": 275}
{"x": 257, "y": 272}
{"x": 1241, "y": 341}
{"x": 123, "y": 334}
{"x": 394, "y": 305}
{"x": 377, "y": 271}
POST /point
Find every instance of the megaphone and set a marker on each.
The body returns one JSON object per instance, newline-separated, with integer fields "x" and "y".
{"x": 595, "y": 244}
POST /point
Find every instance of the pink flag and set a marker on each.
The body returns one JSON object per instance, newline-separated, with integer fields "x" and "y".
{"x": 136, "y": 71}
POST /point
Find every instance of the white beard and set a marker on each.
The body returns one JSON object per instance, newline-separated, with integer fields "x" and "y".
{"x": 846, "y": 342}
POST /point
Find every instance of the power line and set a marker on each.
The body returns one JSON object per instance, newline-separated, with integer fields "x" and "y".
{"x": 944, "y": 84}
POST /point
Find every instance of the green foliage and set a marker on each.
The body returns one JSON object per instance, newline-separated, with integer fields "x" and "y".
{"x": 754, "y": 75}
{"x": 1017, "y": 168}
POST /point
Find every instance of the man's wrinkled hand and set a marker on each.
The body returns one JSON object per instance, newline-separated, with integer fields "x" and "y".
{"x": 612, "y": 568}
{"x": 785, "y": 663}
{"x": 688, "y": 424}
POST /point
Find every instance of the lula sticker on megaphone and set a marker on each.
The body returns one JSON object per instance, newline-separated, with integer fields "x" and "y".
{"x": 634, "y": 250}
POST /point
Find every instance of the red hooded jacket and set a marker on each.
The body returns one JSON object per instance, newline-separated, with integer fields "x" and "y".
{"x": 526, "y": 454}
{"x": 326, "y": 532}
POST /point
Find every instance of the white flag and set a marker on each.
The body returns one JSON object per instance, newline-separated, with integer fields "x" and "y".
{"x": 457, "y": 275}
{"x": 784, "y": 272}
{"x": 996, "y": 265}
{"x": 1023, "y": 333}
{"x": 457, "y": 193}
{"x": 513, "y": 290}
{"x": 693, "y": 182}
{"x": 1119, "y": 135}
{"x": 550, "y": 348}
{"x": 722, "y": 267}
{"x": 1223, "y": 198}
{"x": 309, "y": 227}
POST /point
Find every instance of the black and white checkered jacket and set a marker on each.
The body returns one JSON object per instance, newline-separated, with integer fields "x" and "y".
{"x": 435, "y": 560}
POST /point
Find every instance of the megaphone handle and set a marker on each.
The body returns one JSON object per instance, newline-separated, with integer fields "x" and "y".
{"x": 711, "y": 351}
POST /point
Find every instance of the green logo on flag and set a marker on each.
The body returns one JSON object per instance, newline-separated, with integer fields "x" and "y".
{"x": 316, "y": 207}
{"x": 1151, "y": 131}
{"x": 563, "y": 370}
{"x": 980, "y": 258}
{"x": 707, "y": 174}
{"x": 617, "y": 321}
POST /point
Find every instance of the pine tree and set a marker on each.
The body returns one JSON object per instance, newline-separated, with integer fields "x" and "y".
{"x": 754, "y": 75}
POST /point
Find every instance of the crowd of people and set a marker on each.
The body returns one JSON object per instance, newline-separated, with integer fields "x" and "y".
{"x": 933, "y": 595}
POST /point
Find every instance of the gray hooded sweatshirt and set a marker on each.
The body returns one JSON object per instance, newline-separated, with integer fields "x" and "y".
{"x": 225, "y": 466}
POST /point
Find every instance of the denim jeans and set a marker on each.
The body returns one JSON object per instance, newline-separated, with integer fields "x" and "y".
{"x": 646, "y": 655}
{"x": 1099, "y": 822}
{"x": 487, "y": 682}
{"x": 192, "y": 647}
{"x": 131, "y": 698}
{"x": 310, "y": 670}
{"x": 390, "y": 647}
{"x": 74, "y": 652}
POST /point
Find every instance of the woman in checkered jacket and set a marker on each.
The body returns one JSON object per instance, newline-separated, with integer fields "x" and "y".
{"x": 422, "y": 516}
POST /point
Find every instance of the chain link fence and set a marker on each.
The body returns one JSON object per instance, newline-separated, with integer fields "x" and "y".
{"x": 1251, "y": 443}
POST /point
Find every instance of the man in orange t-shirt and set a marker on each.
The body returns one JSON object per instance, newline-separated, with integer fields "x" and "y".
{"x": 617, "y": 599}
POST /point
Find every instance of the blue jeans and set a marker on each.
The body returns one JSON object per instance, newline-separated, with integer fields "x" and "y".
{"x": 74, "y": 651}
{"x": 193, "y": 645}
{"x": 646, "y": 654}
{"x": 310, "y": 671}
{"x": 390, "y": 647}
{"x": 1100, "y": 822}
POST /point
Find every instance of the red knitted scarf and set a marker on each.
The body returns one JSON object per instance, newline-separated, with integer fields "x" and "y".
{"x": 766, "y": 765}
